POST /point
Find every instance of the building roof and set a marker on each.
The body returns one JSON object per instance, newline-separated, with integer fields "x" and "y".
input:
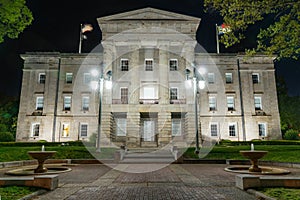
{"x": 148, "y": 14}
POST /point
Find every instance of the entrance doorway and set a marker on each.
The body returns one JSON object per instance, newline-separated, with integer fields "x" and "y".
{"x": 148, "y": 129}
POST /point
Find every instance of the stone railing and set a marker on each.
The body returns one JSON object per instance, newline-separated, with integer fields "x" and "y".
{"x": 119, "y": 101}
{"x": 177, "y": 101}
{"x": 148, "y": 101}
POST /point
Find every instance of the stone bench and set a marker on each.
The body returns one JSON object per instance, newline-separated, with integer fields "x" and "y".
{"x": 245, "y": 181}
{"x": 49, "y": 182}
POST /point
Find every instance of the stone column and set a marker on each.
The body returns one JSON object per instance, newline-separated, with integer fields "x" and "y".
{"x": 163, "y": 72}
{"x": 109, "y": 56}
{"x": 106, "y": 129}
{"x": 188, "y": 52}
{"x": 133, "y": 130}
{"x": 190, "y": 129}
{"x": 134, "y": 89}
{"x": 164, "y": 128}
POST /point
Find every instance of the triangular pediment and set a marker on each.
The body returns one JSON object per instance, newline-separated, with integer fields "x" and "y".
{"x": 148, "y": 14}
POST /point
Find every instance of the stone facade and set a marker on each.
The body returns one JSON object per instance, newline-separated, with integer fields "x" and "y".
{"x": 151, "y": 102}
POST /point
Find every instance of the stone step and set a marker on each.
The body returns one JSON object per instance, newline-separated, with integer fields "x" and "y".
{"x": 149, "y": 144}
{"x": 147, "y": 160}
{"x": 148, "y": 156}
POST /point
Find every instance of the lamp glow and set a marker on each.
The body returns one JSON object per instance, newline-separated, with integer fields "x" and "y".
{"x": 94, "y": 85}
{"x": 201, "y": 84}
{"x": 108, "y": 84}
{"x": 94, "y": 73}
{"x": 188, "y": 84}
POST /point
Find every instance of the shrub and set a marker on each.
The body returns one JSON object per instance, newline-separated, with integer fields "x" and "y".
{"x": 6, "y": 137}
{"x": 291, "y": 135}
{"x": 260, "y": 142}
{"x": 3, "y": 128}
{"x": 38, "y": 144}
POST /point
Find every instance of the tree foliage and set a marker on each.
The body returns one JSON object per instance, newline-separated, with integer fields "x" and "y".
{"x": 14, "y": 18}
{"x": 9, "y": 107}
{"x": 281, "y": 37}
{"x": 289, "y": 109}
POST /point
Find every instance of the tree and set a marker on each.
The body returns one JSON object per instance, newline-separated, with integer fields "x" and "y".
{"x": 281, "y": 37}
{"x": 289, "y": 109}
{"x": 14, "y": 18}
{"x": 9, "y": 107}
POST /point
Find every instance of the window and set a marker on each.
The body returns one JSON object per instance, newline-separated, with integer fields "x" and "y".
{"x": 35, "y": 130}
{"x": 124, "y": 95}
{"x": 124, "y": 64}
{"x": 65, "y": 130}
{"x": 67, "y": 103}
{"x": 255, "y": 78}
{"x": 228, "y": 77}
{"x": 214, "y": 129}
{"x": 212, "y": 103}
{"x": 69, "y": 78}
{"x": 232, "y": 129}
{"x": 121, "y": 126}
{"x": 42, "y": 78}
{"x": 173, "y": 63}
{"x": 149, "y": 64}
{"x": 39, "y": 103}
{"x": 83, "y": 130}
{"x": 173, "y": 93}
{"x": 85, "y": 103}
{"x": 262, "y": 129}
{"x": 211, "y": 78}
{"x": 230, "y": 103}
{"x": 87, "y": 78}
{"x": 176, "y": 127}
{"x": 149, "y": 93}
{"x": 257, "y": 103}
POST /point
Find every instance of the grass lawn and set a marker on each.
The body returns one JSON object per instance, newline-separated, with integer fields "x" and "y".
{"x": 63, "y": 152}
{"x": 281, "y": 193}
{"x": 15, "y": 192}
{"x": 280, "y": 153}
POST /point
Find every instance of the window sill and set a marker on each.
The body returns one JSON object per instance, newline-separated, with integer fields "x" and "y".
{"x": 260, "y": 112}
{"x": 230, "y": 111}
{"x": 37, "y": 113}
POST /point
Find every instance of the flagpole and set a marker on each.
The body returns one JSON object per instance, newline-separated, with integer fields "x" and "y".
{"x": 80, "y": 39}
{"x": 217, "y": 38}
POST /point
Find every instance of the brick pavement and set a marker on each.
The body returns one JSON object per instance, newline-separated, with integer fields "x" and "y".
{"x": 176, "y": 181}
{"x": 192, "y": 181}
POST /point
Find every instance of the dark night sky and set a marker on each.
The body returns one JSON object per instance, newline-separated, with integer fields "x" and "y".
{"x": 56, "y": 28}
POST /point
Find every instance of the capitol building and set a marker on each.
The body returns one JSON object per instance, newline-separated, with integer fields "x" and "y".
{"x": 146, "y": 87}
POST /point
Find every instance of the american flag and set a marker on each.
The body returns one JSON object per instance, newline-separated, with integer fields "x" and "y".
{"x": 86, "y": 27}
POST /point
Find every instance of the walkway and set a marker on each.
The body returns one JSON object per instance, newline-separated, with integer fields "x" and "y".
{"x": 184, "y": 181}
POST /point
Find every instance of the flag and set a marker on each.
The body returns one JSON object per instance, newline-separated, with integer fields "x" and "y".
{"x": 86, "y": 27}
{"x": 224, "y": 28}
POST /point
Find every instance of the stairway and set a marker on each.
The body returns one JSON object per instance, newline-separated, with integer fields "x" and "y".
{"x": 149, "y": 155}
